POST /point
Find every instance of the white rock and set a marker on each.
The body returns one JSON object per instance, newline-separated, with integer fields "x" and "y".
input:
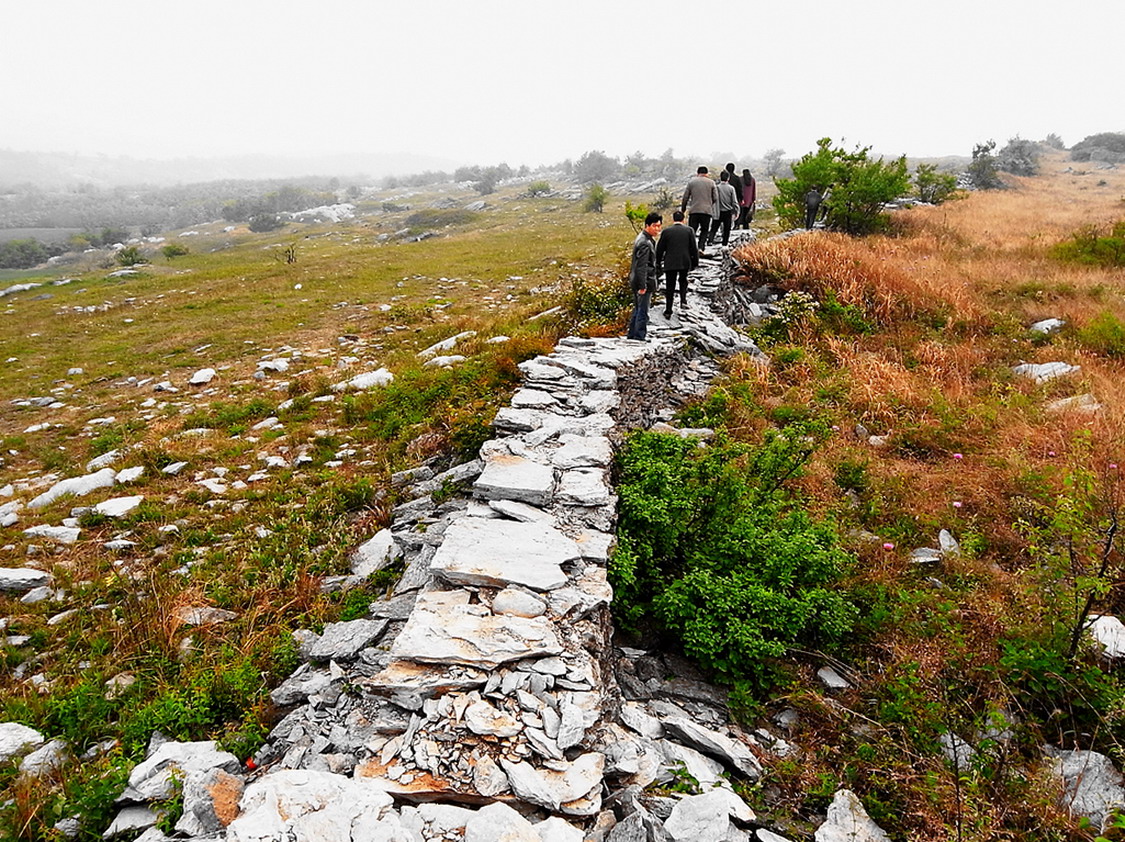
{"x": 499, "y": 823}
{"x": 45, "y": 760}
{"x": 552, "y": 789}
{"x": 730, "y": 751}
{"x": 127, "y": 475}
{"x": 1047, "y": 326}
{"x": 482, "y": 718}
{"x": 831, "y": 679}
{"x": 22, "y": 579}
{"x": 77, "y": 486}
{"x": 555, "y": 829}
{"x": 154, "y": 778}
{"x": 174, "y": 468}
{"x": 119, "y": 506}
{"x": 847, "y": 821}
{"x": 510, "y": 477}
{"x": 1042, "y": 372}
{"x": 204, "y": 375}
{"x": 1078, "y": 403}
{"x": 103, "y": 461}
{"x": 1109, "y": 632}
{"x": 368, "y": 380}
{"x": 447, "y": 344}
{"x": 498, "y": 553}
{"x": 444, "y": 628}
{"x": 708, "y": 816}
{"x": 16, "y": 739}
{"x": 518, "y": 602}
{"x": 374, "y": 554}
{"x": 59, "y": 534}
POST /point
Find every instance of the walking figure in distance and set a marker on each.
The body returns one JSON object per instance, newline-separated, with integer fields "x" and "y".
{"x": 642, "y": 275}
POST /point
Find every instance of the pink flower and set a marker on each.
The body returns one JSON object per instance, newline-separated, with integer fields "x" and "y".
{"x": 957, "y": 456}
{"x": 1113, "y": 466}
{"x": 888, "y": 546}
{"x": 956, "y": 504}
{"x": 1050, "y": 453}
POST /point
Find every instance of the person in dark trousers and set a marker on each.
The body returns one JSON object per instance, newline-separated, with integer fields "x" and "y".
{"x": 642, "y": 275}
{"x": 676, "y": 255}
{"x": 749, "y": 196}
{"x": 813, "y": 199}
{"x": 728, "y": 207}
{"x": 735, "y": 181}
{"x": 700, "y": 196}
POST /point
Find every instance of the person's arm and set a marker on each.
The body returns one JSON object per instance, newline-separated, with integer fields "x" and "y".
{"x": 638, "y": 272}
{"x": 661, "y": 249}
{"x": 683, "y": 201}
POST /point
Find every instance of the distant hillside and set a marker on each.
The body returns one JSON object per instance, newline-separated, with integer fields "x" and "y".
{"x": 52, "y": 170}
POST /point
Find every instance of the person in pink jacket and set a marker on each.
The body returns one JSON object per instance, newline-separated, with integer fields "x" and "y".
{"x": 749, "y": 194}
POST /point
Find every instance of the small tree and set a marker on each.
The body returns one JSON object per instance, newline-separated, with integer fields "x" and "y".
{"x": 595, "y": 167}
{"x": 263, "y": 222}
{"x": 934, "y": 187}
{"x": 174, "y": 250}
{"x": 636, "y": 215}
{"x": 1053, "y": 141}
{"x": 595, "y": 199}
{"x": 772, "y": 162}
{"x": 1019, "y": 157}
{"x": 856, "y": 188}
{"x": 664, "y": 200}
{"x": 982, "y": 170}
{"x": 538, "y": 188}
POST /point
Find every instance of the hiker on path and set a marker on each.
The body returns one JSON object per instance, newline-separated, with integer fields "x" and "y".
{"x": 676, "y": 255}
{"x": 642, "y": 275}
{"x": 735, "y": 181}
{"x": 728, "y": 206}
{"x": 700, "y": 197}
{"x": 813, "y": 198}
{"x": 749, "y": 195}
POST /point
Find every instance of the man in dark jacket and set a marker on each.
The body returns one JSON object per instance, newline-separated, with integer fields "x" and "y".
{"x": 676, "y": 254}
{"x": 642, "y": 275}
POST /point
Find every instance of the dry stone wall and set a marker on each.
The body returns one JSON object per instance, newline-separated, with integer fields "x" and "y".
{"x": 483, "y": 697}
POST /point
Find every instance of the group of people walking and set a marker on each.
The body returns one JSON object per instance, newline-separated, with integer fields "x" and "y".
{"x": 675, "y": 251}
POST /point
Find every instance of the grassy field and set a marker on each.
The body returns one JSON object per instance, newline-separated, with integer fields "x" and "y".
{"x": 914, "y": 340}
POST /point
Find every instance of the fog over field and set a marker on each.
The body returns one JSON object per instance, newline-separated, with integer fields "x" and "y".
{"x": 384, "y": 88}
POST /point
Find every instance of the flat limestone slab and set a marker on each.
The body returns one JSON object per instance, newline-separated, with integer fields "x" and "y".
{"x": 497, "y": 553}
{"x": 445, "y": 629}
{"x": 508, "y": 477}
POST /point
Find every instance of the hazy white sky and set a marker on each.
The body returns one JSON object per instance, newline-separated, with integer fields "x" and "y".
{"x": 529, "y": 82}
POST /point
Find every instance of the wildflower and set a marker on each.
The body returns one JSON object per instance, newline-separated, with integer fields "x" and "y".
{"x": 956, "y": 504}
{"x": 957, "y": 456}
{"x": 1113, "y": 466}
{"x": 888, "y": 546}
{"x": 1050, "y": 453}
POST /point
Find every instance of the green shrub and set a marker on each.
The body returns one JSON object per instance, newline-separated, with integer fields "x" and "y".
{"x": 439, "y": 218}
{"x": 539, "y": 188}
{"x": 1094, "y": 245}
{"x": 262, "y": 222}
{"x": 1019, "y": 157}
{"x": 598, "y": 301}
{"x": 174, "y": 250}
{"x": 982, "y": 169}
{"x": 130, "y": 256}
{"x": 932, "y": 186}
{"x": 715, "y": 553}
{"x": 856, "y": 187}
{"x": 595, "y": 199}
{"x": 1104, "y": 334}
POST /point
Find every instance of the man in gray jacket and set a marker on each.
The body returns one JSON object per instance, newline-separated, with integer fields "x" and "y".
{"x": 700, "y": 196}
{"x": 642, "y": 275}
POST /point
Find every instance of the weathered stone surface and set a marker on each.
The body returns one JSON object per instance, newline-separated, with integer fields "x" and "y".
{"x": 958, "y": 752}
{"x": 522, "y": 512}
{"x": 498, "y": 553}
{"x": 518, "y": 602}
{"x": 22, "y": 579}
{"x": 584, "y": 487}
{"x": 708, "y": 816}
{"x": 59, "y": 534}
{"x": 344, "y": 641}
{"x": 705, "y": 770}
{"x": 847, "y": 821}
{"x": 1092, "y": 786}
{"x": 202, "y": 615}
{"x": 408, "y": 684}
{"x": 509, "y": 477}
{"x": 555, "y": 829}
{"x": 153, "y": 779}
{"x": 367, "y": 380}
{"x": 1042, "y": 372}
{"x": 831, "y": 679}
{"x": 374, "y": 554}
{"x": 130, "y": 819}
{"x": 118, "y": 506}
{"x": 1085, "y": 403}
{"x": 582, "y": 452}
{"x": 1047, "y": 326}
{"x": 210, "y": 802}
{"x": 482, "y": 718}
{"x": 731, "y": 752}
{"x": 77, "y": 486}
{"x": 306, "y": 681}
{"x": 445, "y": 629}
{"x": 1109, "y": 632}
{"x": 306, "y": 805}
{"x": 488, "y": 778}
{"x": 553, "y": 789}
{"x": 499, "y": 823}
{"x": 45, "y": 760}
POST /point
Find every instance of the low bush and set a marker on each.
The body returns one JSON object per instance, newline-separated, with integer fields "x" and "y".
{"x": 1094, "y": 245}
{"x": 595, "y": 199}
{"x": 1104, "y": 334}
{"x": 932, "y": 186}
{"x": 715, "y": 552}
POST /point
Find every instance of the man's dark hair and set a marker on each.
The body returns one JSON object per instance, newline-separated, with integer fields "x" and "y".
{"x": 730, "y": 168}
{"x": 677, "y": 216}
{"x": 701, "y": 171}
{"x": 652, "y": 217}
{"x": 724, "y": 176}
